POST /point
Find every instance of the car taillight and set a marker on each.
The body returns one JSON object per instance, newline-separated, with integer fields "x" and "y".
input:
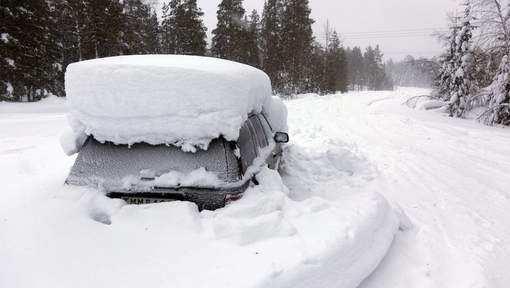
{"x": 229, "y": 198}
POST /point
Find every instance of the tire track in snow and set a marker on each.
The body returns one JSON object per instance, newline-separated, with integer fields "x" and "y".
{"x": 450, "y": 176}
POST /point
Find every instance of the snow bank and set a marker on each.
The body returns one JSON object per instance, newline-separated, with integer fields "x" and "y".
{"x": 49, "y": 105}
{"x": 264, "y": 240}
{"x": 277, "y": 113}
{"x": 72, "y": 141}
{"x": 269, "y": 238}
{"x": 424, "y": 102}
{"x": 163, "y": 99}
{"x": 4, "y": 37}
{"x": 195, "y": 178}
{"x": 58, "y": 235}
{"x": 430, "y": 104}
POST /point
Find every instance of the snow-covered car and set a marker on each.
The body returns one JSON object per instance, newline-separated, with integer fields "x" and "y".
{"x": 159, "y": 128}
{"x": 210, "y": 178}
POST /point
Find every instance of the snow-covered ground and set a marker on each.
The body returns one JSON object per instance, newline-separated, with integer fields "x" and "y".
{"x": 324, "y": 225}
{"x": 450, "y": 176}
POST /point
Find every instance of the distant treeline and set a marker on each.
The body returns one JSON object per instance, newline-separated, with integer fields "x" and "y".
{"x": 412, "y": 72}
{"x": 39, "y": 38}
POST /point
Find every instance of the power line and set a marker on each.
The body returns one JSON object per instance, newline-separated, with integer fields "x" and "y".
{"x": 394, "y": 31}
{"x": 388, "y": 34}
{"x": 410, "y": 52}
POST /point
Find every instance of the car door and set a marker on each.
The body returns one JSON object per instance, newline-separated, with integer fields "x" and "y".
{"x": 255, "y": 135}
{"x": 274, "y": 160}
{"x": 247, "y": 146}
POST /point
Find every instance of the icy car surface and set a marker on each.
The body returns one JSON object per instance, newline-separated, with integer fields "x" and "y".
{"x": 116, "y": 169}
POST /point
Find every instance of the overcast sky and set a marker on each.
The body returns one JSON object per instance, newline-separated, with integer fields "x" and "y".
{"x": 360, "y": 22}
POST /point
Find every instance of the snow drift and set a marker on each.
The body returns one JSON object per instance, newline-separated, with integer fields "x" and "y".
{"x": 264, "y": 240}
{"x": 331, "y": 232}
{"x": 163, "y": 99}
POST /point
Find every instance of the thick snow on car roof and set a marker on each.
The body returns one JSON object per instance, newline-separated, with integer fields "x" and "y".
{"x": 164, "y": 99}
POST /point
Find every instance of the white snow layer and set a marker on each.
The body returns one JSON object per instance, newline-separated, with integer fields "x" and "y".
{"x": 450, "y": 176}
{"x": 196, "y": 178}
{"x": 4, "y": 37}
{"x": 277, "y": 114}
{"x": 331, "y": 229}
{"x": 72, "y": 141}
{"x": 163, "y": 99}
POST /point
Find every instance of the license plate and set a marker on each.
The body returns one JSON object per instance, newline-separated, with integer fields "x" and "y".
{"x": 141, "y": 200}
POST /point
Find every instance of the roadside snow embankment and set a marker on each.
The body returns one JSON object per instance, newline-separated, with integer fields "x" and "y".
{"x": 163, "y": 99}
{"x": 264, "y": 240}
{"x": 331, "y": 232}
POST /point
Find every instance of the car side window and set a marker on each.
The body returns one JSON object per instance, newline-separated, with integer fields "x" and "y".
{"x": 260, "y": 135}
{"x": 247, "y": 146}
{"x": 267, "y": 128}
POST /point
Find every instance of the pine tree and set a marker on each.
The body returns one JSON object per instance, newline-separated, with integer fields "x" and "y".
{"x": 381, "y": 80}
{"x": 70, "y": 23}
{"x": 272, "y": 38}
{"x": 355, "y": 68}
{"x": 133, "y": 38}
{"x": 140, "y": 32}
{"x": 152, "y": 40}
{"x": 297, "y": 45}
{"x": 317, "y": 72}
{"x": 40, "y": 38}
{"x": 103, "y": 32}
{"x": 445, "y": 77}
{"x": 182, "y": 28}
{"x": 27, "y": 49}
{"x": 194, "y": 40}
{"x": 252, "y": 40}
{"x": 498, "y": 96}
{"x": 168, "y": 26}
{"x": 374, "y": 74}
{"x": 369, "y": 68}
{"x": 336, "y": 66}
{"x": 55, "y": 73}
{"x": 228, "y": 36}
{"x": 462, "y": 85}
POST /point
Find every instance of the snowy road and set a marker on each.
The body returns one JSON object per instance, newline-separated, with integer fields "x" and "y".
{"x": 450, "y": 176}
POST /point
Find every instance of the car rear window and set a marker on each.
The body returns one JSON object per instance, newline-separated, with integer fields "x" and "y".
{"x": 108, "y": 164}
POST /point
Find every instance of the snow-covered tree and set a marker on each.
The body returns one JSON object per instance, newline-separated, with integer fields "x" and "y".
{"x": 497, "y": 96}
{"x": 355, "y": 68}
{"x": 445, "y": 77}
{"x": 103, "y": 32}
{"x": 194, "y": 42}
{"x": 297, "y": 43}
{"x": 252, "y": 40}
{"x": 228, "y": 37}
{"x": 493, "y": 20}
{"x": 336, "y": 78}
{"x": 140, "y": 31}
{"x": 183, "y": 31}
{"x": 272, "y": 37}
{"x": 28, "y": 50}
{"x": 462, "y": 84}
{"x": 374, "y": 73}
{"x": 168, "y": 24}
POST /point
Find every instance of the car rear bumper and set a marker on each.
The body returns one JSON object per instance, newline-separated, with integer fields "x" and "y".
{"x": 206, "y": 199}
